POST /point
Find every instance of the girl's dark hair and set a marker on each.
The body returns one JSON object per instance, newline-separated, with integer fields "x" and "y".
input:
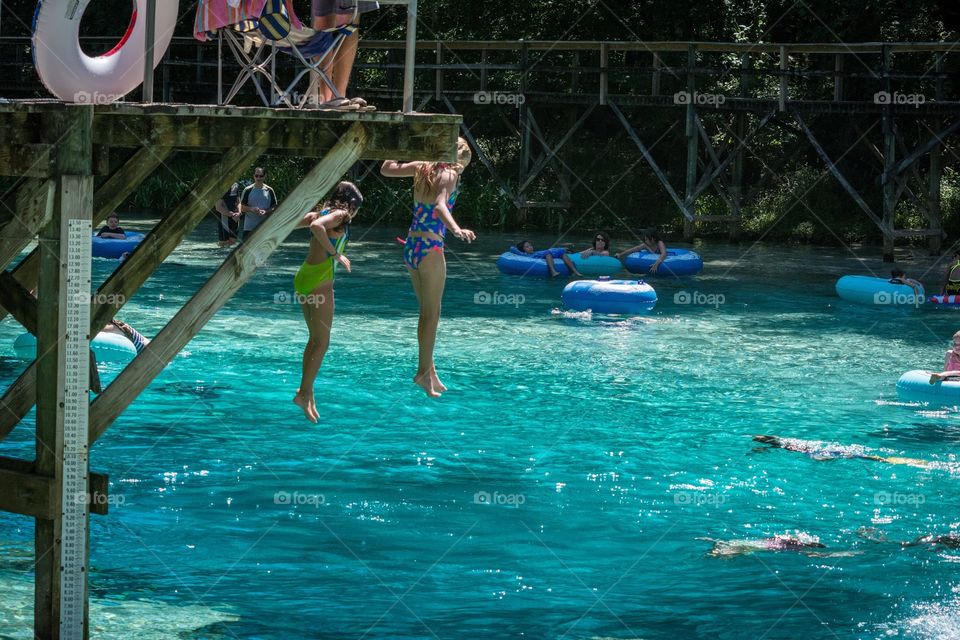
{"x": 606, "y": 240}
{"x": 521, "y": 243}
{"x": 653, "y": 234}
{"x": 898, "y": 273}
{"x": 345, "y": 196}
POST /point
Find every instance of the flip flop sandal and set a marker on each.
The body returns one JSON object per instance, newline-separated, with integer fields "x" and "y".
{"x": 362, "y": 104}
{"x": 340, "y": 104}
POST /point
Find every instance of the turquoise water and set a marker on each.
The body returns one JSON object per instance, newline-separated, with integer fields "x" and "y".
{"x": 558, "y": 490}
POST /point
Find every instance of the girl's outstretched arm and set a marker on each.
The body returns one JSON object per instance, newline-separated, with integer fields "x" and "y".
{"x": 447, "y": 183}
{"x": 394, "y": 169}
{"x": 627, "y": 252}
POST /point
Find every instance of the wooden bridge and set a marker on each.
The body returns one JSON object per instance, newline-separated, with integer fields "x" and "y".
{"x": 899, "y": 102}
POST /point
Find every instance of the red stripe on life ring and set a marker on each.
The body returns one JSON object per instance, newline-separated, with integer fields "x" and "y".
{"x": 126, "y": 36}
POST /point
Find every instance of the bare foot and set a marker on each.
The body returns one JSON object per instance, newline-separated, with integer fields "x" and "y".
{"x": 439, "y": 386}
{"x": 934, "y": 378}
{"x": 425, "y": 381}
{"x": 308, "y": 405}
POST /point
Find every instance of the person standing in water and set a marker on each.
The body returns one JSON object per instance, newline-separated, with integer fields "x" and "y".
{"x": 329, "y": 225}
{"x": 435, "y": 190}
{"x": 257, "y": 202}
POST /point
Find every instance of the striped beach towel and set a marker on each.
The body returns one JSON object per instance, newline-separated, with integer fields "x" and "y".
{"x": 245, "y": 15}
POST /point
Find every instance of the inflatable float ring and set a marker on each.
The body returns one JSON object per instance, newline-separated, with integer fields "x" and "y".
{"x": 73, "y": 76}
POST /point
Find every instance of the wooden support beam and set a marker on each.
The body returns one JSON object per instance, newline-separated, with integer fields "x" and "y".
{"x": 650, "y": 161}
{"x": 693, "y": 140}
{"x": 234, "y": 272}
{"x": 126, "y": 179}
{"x": 505, "y": 189}
{"x": 19, "y": 301}
{"x": 838, "y": 63}
{"x": 34, "y": 208}
{"x": 934, "y": 214}
{"x": 26, "y": 160}
{"x": 107, "y": 198}
{"x": 24, "y": 492}
{"x": 938, "y": 140}
{"x": 708, "y": 179}
{"x": 130, "y": 276}
{"x": 655, "y": 76}
{"x": 784, "y": 66}
{"x": 888, "y": 182}
{"x": 839, "y": 176}
{"x": 412, "y": 136}
{"x": 551, "y": 152}
{"x": 72, "y": 127}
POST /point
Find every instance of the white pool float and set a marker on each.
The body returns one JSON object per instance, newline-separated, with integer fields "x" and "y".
{"x": 73, "y": 76}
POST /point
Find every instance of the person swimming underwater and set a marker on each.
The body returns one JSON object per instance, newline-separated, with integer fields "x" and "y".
{"x": 819, "y": 450}
{"x": 798, "y": 541}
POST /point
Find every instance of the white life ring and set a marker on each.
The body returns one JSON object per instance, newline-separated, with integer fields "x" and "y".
{"x": 73, "y": 76}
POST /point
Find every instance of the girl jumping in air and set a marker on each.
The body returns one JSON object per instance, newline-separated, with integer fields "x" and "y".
{"x": 330, "y": 229}
{"x": 435, "y": 190}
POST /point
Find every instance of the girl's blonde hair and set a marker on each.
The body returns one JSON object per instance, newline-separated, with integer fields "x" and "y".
{"x": 428, "y": 173}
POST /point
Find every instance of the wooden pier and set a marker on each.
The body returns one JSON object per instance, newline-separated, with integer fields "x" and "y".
{"x": 66, "y": 157}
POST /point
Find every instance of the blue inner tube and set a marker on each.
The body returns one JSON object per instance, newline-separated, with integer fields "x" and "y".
{"x": 114, "y": 248}
{"x": 107, "y": 346}
{"x": 878, "y": 291}
{"x": 914, "y": 386}
{"x": 679, "y": 262}
{"x": 596, "y": 265}
{"x": 516, "y": 264}
{"x": 623, "y": 297}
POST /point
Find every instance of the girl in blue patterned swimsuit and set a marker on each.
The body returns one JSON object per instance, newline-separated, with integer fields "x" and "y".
{"x": 435, "y": 189}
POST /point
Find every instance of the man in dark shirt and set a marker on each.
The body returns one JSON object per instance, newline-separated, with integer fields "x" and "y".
{"x": 112, "y": 229}
{"x": 229, "y": 210}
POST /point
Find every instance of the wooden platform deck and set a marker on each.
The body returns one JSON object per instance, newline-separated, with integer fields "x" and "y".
{"x": 56, "y": 150}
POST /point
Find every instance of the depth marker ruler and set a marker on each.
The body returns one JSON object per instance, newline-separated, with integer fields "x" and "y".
{"x": 76, "y": 427}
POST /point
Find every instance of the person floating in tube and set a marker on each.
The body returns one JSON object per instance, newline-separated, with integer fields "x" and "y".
{"x": 951, "y": 364}
{"x": 600, "y": 246}
{"x": 653, "y": 243}
{"x": 112, "y": 230}
{"x": 899, "y": 276}
{"x": 526, "y": 247}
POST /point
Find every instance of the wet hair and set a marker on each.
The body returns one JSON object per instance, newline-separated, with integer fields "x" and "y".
{"x": 521, "y": 243}
{"x": 428, "y": 173}
{"x": 652, "y": 234}
{"x": 898, "y": 273}
{"x": 260, "y": 170}
{"x": 606, "y": 240}
{"x": 345, "y": 196}
{"x": 113, "y": 216}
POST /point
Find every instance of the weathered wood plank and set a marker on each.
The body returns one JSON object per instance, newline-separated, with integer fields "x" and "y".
{"x": 71, "y": 126}
{"x": 26, "y": 160}
{"x": 125, "y": 281}
{"x": 24, "y": 492}
{"x": 107, "y": 198}
{"x": 126, "y": 179}
{"x": 20, "y": 302}
{"x": 169, "y": 232}
{"x": 34, "y": 208}
{"x": 234, "y": 272}
{"x": 311, "y": 138}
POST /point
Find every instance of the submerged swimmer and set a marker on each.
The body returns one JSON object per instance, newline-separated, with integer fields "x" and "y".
{"x": 831, "y": 450}
{"x": 799, "y": 541}
{"x": 934, "y": 542}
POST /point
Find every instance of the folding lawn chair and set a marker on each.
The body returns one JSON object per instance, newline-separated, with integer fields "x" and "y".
{"x": 257, "y": 31}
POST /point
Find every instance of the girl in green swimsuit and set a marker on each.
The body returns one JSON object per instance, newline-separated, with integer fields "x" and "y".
{"x": 330, "y": 228}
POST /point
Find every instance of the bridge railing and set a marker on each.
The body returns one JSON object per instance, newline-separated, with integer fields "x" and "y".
{"x": 817, "y": 76}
